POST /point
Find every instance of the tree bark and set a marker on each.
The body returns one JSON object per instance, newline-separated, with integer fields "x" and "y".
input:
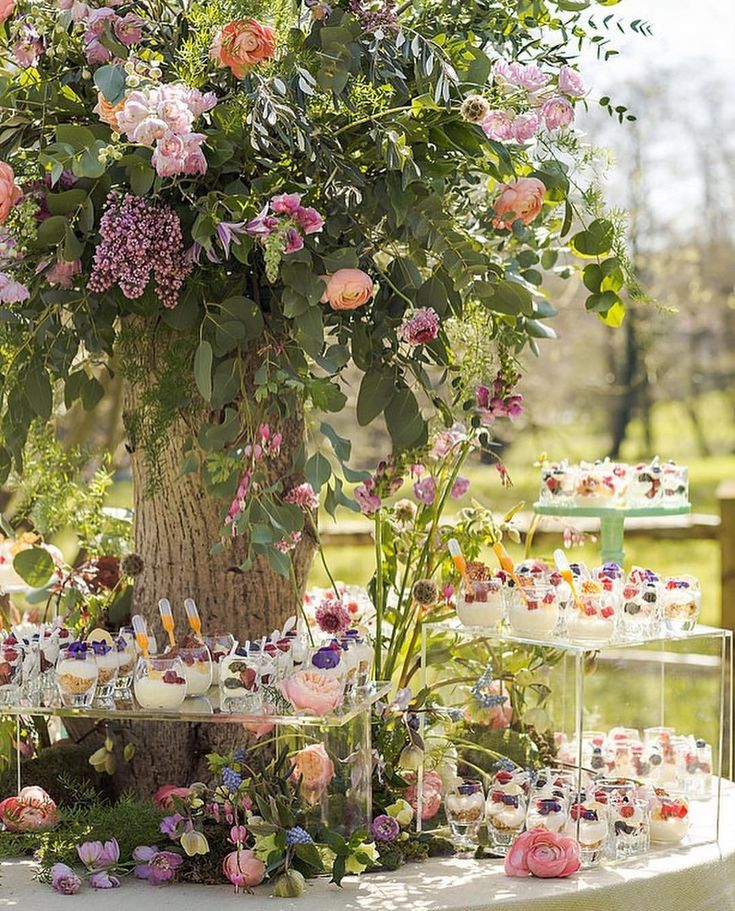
{"x": 175, "y": 526}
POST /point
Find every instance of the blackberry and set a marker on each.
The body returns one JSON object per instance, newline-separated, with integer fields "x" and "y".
{"x": 631, "y": 607}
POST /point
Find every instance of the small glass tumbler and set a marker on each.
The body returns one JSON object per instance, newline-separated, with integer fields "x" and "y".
{"x": 588, "y": 823}
{"x": 646, "y": 485}
{"x": 465, "y": 808}
{"x": 640, "y": 613}
{"x": 127, "y": 658}
{"x": 546, "y": 811}
{"x": 197, "y": 669}
{"x": 682, "y": 602}
{"x": 160, "y": 682}
{"x": 363, "y": 655}
{"x": 10, "y": 672}
{"x": 670, "y": 820}
{"x": 675, "y": 485}
{"x": 481, "y": 603}
{"x": 76, "y": 675}
{"x": 240, "y": 681}
{"x": 698, "y": 771}
{"x": 596, "y": 486}
{"x": 105, "y": 656}
{"x": 629, "y": 819}
{"x": 219, "y": 646}
{"x": 533, "y": 610}
{"x": 592, "y": 619}
{"x": 505, "y": 813}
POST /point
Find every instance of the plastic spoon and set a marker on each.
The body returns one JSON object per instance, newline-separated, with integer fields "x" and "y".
{"x": 141, "y": 634}
{"x": 455, "y": 552}
{"x": 192, "y": 615}
{"x": 565, "y": 571}
{"x": 167, "y": 619}
{"x": 507, "y": 565}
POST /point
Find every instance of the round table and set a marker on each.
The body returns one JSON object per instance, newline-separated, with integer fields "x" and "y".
{"x": 700, "y": 878}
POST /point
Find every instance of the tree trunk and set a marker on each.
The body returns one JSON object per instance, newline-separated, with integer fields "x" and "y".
{"x": 175, "y": 526}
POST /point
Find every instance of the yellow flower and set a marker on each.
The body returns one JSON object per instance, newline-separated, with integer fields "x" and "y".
{"x": 194, "y": 843}
{"x": 364, "y": 856}
{"x": 401, "y": 811}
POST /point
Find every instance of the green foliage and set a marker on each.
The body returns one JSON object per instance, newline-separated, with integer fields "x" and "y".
{"x": 63, "y": 771}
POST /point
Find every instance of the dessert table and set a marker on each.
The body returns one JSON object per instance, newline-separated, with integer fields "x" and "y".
{"x": 700, "y": 878}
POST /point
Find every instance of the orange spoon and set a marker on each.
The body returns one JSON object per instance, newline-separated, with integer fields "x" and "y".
{"x": 167, "y": 619}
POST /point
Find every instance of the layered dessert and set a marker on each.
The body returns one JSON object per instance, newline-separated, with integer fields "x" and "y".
{"x": 481, "y": 599}
{"x": 127, "y": 657}
{"x": 592, "y": 618}
{"x": 239, "y": 681}
{"x": 546, "y": 813}
{"x": 505, "y": 813}
{"x": 160, "y": 683}
{"x": 641, "y": 606}
{"x": 76, "y": 675}
{"x": 670, "y": 819}
{"x": 681, "y": 602}
{"x": 465, "y": 808}
{"x": 219, "y": 645}
{"x": 197, "y": 663}
{"x": 105, "y": 656}
{"x": 533, "y": 611}
{"x": 630, "y": 827}
{"x": 557, "y": 484}
{"x": 646, "y": 488}
{"x": 675, "y": 484}
{"x": 588, "y": 823}
{"x": 10, "y": 665}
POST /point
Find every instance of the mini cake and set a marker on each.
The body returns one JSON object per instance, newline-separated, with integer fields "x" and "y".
{"x": 163, "y": 687}
{"x": 669, "y": 819}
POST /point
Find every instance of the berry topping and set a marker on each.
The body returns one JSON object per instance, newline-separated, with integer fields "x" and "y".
{"x": 173, "y": 677}
{"x": 626, "y": 811}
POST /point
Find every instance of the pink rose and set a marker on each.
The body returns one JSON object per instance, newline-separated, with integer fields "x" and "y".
{"x": 557, "y": 113}
{"x": 313, "y": 767}
{"x": 31, "y": 811}
{"x": 525, "y": 127}
{"x": 313, "y": 692}
{"x": 347, "y": 289}
{"x": 10, "y": 192}
{"x": 571, "y": 83}
{"x": 243, "y": 44}
{"x": 6, "y": 10}
{"x": 431, "y": 797}
{"x": 522, "y": 199}
{"x": 243, "y": 868}
{"x": 532, "y": 78}
{"x": 162, "y": 797}
{"x": 495, "y": 717}
{"x": 543, "y": 853}
{"x": 498, "y": 125}
{"x": 135, "y": 110}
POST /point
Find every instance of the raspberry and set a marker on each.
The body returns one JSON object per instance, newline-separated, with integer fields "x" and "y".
{"x": 576, "y": 811}
{"x": 626, "y": 811}
{"x": 630, "y": 591}
{"x": 607, "y": 584}
{"x": 607, "y": 612}
{"x": 503, "y": 777}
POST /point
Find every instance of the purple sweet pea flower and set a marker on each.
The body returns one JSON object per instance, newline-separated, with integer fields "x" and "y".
{"x": 64, "y": 880}
{"x": 103, "y": 880}
{"x": 263, "y": 225}
{"x": 460, "y": 488}
{"x": 154, "y": 865}
{"x": 425, "y": 490}
{"x": 169, "y": 824}
{"x": 294, "y": 241}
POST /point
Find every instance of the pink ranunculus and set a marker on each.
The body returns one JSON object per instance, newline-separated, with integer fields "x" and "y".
{"x": 571, "y": 83}
{"x": 532, "y": 78}
{"x": 62, "y": 273}
{"x": 149, "y": 131}
{"x": 557, "y": 113}
{"x": 200, "y": 103}
{"x": 243, "y": 869}
{"x": 162, "y": 797}
{"x": 7, "y": 7}
{"x": 31, "y": 811}
{"x": 498, "y": 125}
{"x": 243, "y": 44}
{"x": 431, "y": 797}
{"x": 314, "y": 769}
{"x": 10, "y": 192}
{"x": 347, "y": 289}
{"x": 522, "y": 199}
{"x": 539, "y": 852}
{"x": 313, "y": 692}
{"x": 173, "y": 108}
{"x": 308, "y": 219}
{"x": 507, "y": 73}
{"x": 525, "y": 127}
{"x": 136, "y": 109}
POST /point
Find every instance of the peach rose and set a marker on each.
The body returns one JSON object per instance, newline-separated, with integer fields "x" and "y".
{"x": 10, "y": 192}
{"x": 431, "y": 797}
{"x": 243, "y": 44}
{"x": 313, "y": 767}
{"x": 313, "y": 692}
{"x": 542, "y": 853}
{"x": 31, "y": 811}
{"x": 162, "y": 797}
{"x": 347, "y": 289}
{"x": 107, "y": 112}
{"x": 243, "y": 868}
{"x": 520, "y": 199}
{"x": 6, "y": 9}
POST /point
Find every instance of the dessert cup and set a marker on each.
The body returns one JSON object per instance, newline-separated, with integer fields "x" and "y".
{"x": 592, "y": 618}
{"x": 219, "y": 646}
{"x": 505, "y": 813}
{"x": 629, "y": 819}
{"x": 670, "y": 819}
{"x": 465, "y": 808}
{"x": 533, "y": 610}
{"x": 588, "y": 823}
{"x": 681, "y": 602}
{"x": 76, "y": 675}
{"x": 160, "y": 682}
{"x": 10, "y": 671}
{"x": 481, "y": 603}
{"x": 546, "y": 812}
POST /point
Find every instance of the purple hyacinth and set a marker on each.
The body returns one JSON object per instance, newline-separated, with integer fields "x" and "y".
{"x": 140, "y": 240}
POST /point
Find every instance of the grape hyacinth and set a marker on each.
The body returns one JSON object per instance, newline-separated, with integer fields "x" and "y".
{"x": 298, "y": 836}
{"x": 140, "y": 240}
{"x": 231, "y": 780}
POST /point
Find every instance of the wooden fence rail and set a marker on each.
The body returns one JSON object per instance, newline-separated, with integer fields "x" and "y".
{"x": 695, "y": 526}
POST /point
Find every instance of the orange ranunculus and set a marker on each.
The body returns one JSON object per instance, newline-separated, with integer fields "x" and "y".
{"x": 107, "y": 112}
{"x": 243, "y": 44}
{"x": 347, "y": 289}
{"x": 10, "y": 192}
{"x": 522, "y": 198}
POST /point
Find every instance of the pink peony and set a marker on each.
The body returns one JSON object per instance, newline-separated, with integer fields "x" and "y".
{"x": 571, "y": 83}
{"x": 7, "y": 7}
{"x": 10, "y": 192}
{"x": 522, "y": 199}
{"x": 431, "y": 797}
{"x": 498, "y": 125}
{"x": 243, "y": 44}
{"x": 62, "y": 273}
{"x": 312, "y": 692}
{"x": 31, "y": 811}
{"x": 314, "y": 769}
{"x": 243, "y": 869}
{"x": 162, "y": 797}
{"x": 539, "y": 852}
{"x": 347, "y": 289}
{"x": 557, "y": 113}
{"x": 525, "y": 127}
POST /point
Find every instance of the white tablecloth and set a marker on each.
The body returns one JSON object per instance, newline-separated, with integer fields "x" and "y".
{"x": 700, "y": 878}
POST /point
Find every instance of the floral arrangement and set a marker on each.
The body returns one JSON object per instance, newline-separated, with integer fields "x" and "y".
{"x": 271, "y": 197}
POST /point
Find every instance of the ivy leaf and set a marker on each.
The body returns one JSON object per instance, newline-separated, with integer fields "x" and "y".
{"x": 35, "y": 566}
{"x": 203, "y": 369}
{"x": 376, "y": 390}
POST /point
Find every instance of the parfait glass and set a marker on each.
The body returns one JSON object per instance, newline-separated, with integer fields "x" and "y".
{"x": 105, "y": 656}
{"x": 219, "y": 645}
{"x": 630, "y": 822}
{"x": 682, "y": 602}
{"x": 363, "y": 654}
{"x": 240, "y": 681}
{"x": 160, "y": 682}
{"x": 505, "y": 812}
{"x": 596, "y": 486}
{"x": 698, "y": 770}
{"x": 77, "y": 675}
{"x": 588, "y": 823}
{"x": 546, "y": 810}
{"x": 127, "y": 658}
{"x": 675, "y": 484}
{"x": 10, "y": 672}
{"x": 670, "y": 819}
{"x": 558, "y": 482}
{"x": 592, "y": 618}
{"x": 646, "y": 487}
{"x": 464, "y": 806}
{"x": 640, "y": 614}
{"x": 481, "y": 602}
{"x": 197, "y": 669}
{"x": 533, "y": 610}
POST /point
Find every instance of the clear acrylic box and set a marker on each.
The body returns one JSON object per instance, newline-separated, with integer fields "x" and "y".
{"x": 667, "y": 687}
